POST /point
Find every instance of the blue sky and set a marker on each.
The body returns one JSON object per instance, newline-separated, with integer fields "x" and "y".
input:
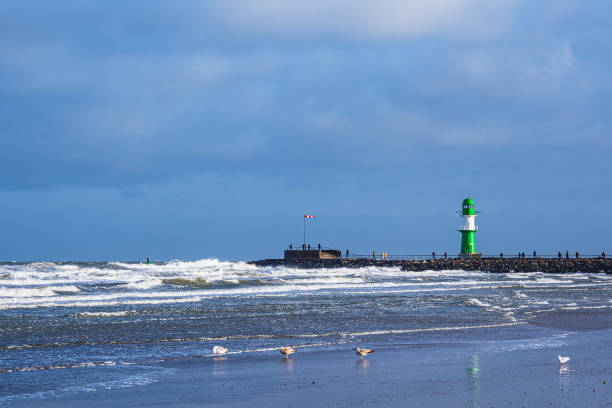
{"x": 207, "y": 129}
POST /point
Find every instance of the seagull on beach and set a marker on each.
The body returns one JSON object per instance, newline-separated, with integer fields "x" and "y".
{"x": 219, "y": 351}
{"x": 563, "y": 360}
{"x": 361, "y": 352}
{"x": 286, "y": 350}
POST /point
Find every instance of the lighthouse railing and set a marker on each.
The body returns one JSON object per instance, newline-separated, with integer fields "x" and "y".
{"x": 380, "y": 256}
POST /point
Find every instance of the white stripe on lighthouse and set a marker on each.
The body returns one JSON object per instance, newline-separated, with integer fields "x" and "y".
{"x": 470, "y": 222}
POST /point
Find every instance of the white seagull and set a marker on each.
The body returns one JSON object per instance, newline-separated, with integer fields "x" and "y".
{"x": 219, "y": 351}
{"x": 563, "y": 360}
{"x": 361, "y": 352}
{"x": 285, "y": 351}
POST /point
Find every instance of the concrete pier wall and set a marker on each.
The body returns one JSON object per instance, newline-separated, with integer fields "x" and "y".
{"x": 302, "y": 254}
{"x": 499, "y": 265}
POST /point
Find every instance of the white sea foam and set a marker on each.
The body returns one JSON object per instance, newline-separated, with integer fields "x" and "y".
{"x": 430, "y": 329}
{"x": 36, "y": 295}
{"x": 45, "y": 291}
{"x": 60, "y": 366}
{"x": 154, "y": 296}
{"x": 192, "y": 299}
{"x": 330, "y": 280}
{"x": 497, "y": 346}
{"x": 518, "y": 275}
{"x": 105, "y": 314}
{"x": 549, "y": 280}
{"x": 144, "y": 284}
{"x": 148, "y": 377}
{"x": 50, "y": 284}
{"x": 586, "y": 307}
{"x": 476, "y": 302}
{"x": 451, "y": 273}
{"x": 342, "y": 334}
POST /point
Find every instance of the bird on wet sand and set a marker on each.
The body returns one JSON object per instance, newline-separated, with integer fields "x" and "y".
{"x": 219, "y": 351}
{"x": 563, "y": 360}
{"x": 286, "y": 350}
{"x": 361, "y": 352}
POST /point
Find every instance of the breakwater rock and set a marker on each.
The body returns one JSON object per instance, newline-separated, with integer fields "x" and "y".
{"x": 497, "y": 265}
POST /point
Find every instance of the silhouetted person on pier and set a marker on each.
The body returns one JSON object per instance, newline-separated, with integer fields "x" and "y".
{"x": 534, "y": 253}
{"x": 445, "y": 255}
{"x": 433, "y": 256}
{"x": 290, "y": 246}
{"x": 309, "y": 247}
{"x": 319, "y": 247}
{"x": 523, "y": 255}
{"x": 603, "y": 255}
{"x": 559, "y": 255}
{"x": 304, "y": 246}
{"x": 577, "y": 255}
{"x": 566, "y": 254}
{"x": 519, "y": 255}
{"x": 373, "y": 254}
{"x": 501, "y": 255}
{"x": 347, "y": 253}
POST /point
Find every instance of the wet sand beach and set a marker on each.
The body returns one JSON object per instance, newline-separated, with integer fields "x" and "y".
{"x": 443, "y": 372}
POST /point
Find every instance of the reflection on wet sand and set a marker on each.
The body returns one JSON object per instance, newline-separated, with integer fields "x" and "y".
{"x": 473, "y": 371}
{"x": 287, "y": 364}
{"x": 363, "y": 367}
{"x": 564, "y": 377}
{"x": 219, "y": 366}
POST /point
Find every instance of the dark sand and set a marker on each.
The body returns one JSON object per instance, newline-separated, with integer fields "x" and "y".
{"x": 388, "y": 378}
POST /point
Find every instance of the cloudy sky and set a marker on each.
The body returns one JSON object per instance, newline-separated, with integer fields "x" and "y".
{"x": 193, "y": 129}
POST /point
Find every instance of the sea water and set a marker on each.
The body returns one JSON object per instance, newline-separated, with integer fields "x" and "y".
{"x": 67, "y": 328}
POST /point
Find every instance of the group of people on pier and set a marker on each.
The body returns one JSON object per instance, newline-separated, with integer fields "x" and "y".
{"x": 384, "y": 256}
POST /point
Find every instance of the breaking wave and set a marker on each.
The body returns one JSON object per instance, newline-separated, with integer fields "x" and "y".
{"x": 48, "y": 284}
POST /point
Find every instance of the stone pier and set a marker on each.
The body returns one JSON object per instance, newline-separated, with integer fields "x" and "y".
{"x": 497, "y": 265}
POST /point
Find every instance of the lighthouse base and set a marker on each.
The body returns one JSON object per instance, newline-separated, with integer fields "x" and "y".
{"x": 469, "y": 256}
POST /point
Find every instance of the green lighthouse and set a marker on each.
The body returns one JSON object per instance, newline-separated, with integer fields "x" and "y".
{"x": 469, "y": 228}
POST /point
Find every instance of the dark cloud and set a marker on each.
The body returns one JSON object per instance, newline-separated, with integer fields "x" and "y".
{"x": 264, "y": 106}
